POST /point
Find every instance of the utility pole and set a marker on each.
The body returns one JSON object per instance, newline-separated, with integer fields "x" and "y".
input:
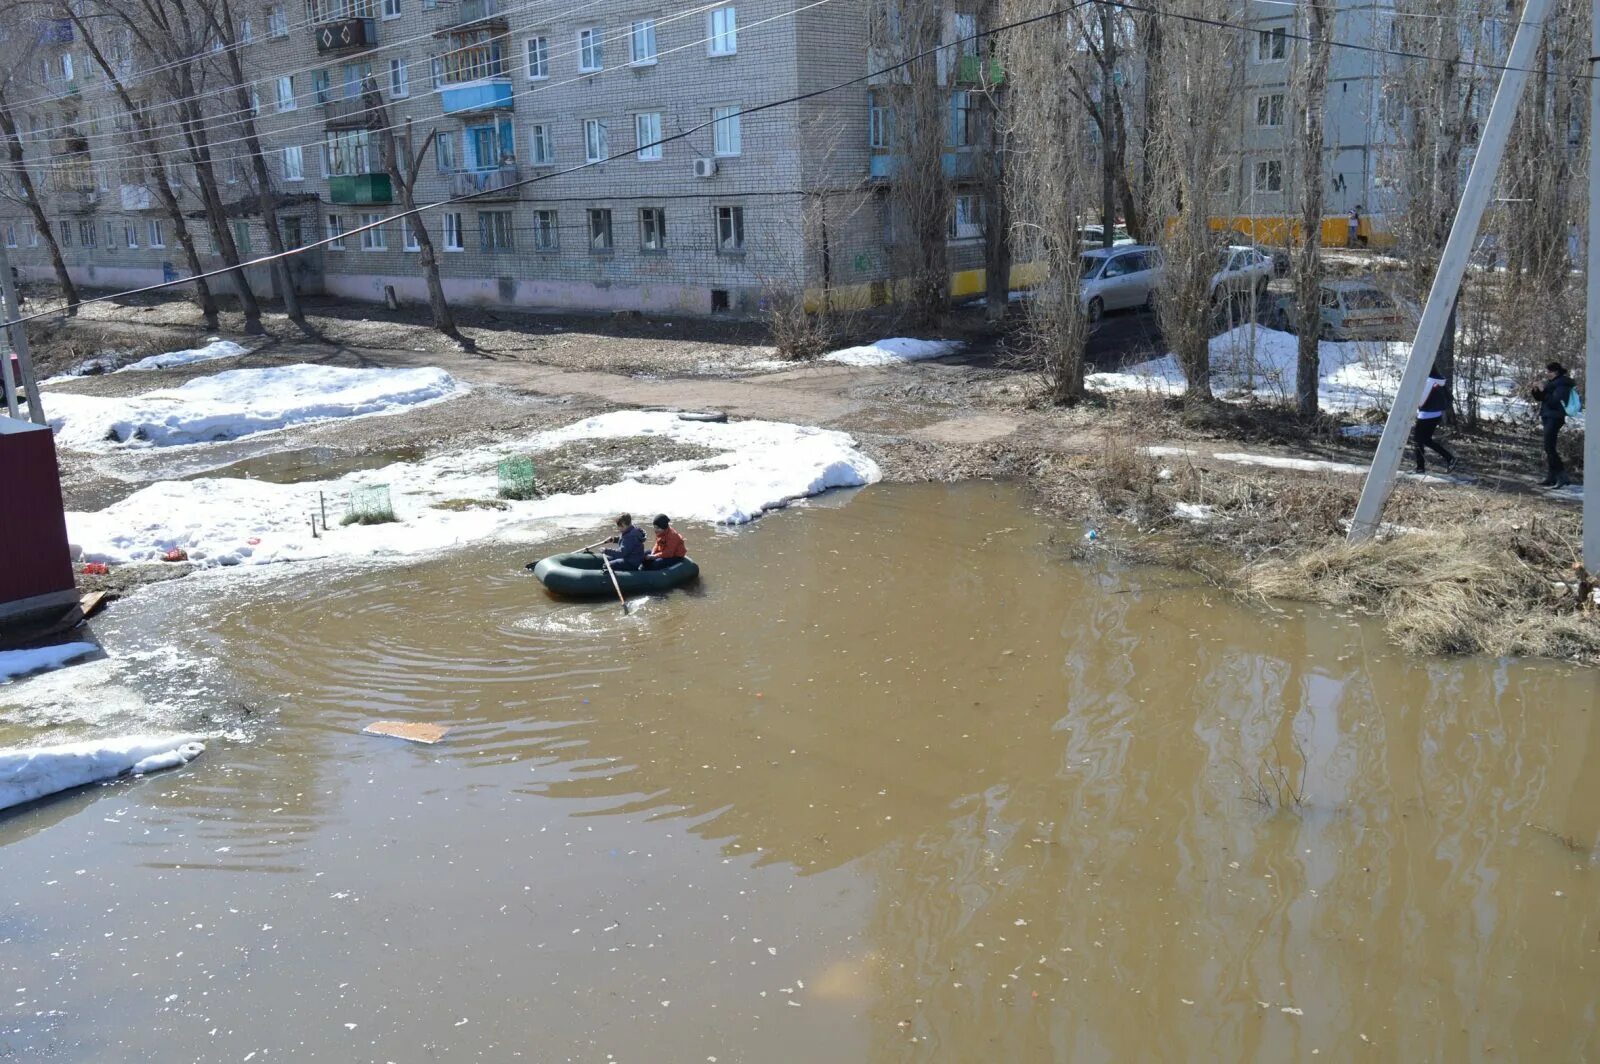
{"x": 18, "y": 336}
{"x": 1591, "y": 433}
{"x": 1436, "y": 313}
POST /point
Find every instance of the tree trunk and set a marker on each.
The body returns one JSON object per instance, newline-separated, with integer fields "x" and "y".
{"x": 19, "y": 167}
{"x": 1307, "y": 264}
{"x": 405, "y": 180}
{"x": 1108, "y": 173}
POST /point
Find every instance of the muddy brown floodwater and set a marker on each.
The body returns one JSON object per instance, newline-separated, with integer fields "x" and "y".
{"x": 896, "y": 782}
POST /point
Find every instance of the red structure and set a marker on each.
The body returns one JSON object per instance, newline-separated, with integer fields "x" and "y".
{"x": 36, "y": 578}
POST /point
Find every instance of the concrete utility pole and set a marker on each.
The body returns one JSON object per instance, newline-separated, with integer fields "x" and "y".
{"x": 1591, "y": 437}
{"x": 1452, "y": 266}
{"x": 19, "y": 343}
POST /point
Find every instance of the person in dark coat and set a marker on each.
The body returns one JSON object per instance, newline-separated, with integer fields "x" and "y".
{"x": 629, "y": 555}
{"x": 1552, "y": 396}
{"x": 1430, "y": 415}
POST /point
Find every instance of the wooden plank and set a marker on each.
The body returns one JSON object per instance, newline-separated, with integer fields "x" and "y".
{"x": 92, "y": 603}
{"x": 411, "y": 733}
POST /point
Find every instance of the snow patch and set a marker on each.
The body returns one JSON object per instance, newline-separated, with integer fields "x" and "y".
{"x": 890, "y": 352}
{"x": 243, "y": 402}
{"x": 15, "y": 664}
{"x": 1194, "y": 511}
{"x": 212, "y": 351}
{"x": 28, "y": 774}
{"x": 758, "y": 466}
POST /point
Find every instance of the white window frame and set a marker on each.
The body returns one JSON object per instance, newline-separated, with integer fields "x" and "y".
{"x": 391, "y": 9}
{"x": 444, "y": 152}
{"x": 294, "y": 162}
{"x": 377, "y": 238}
{"x": 510, "y": 232}
{"x": 966, "y": 217}
{"x": 336, "y": 232}
{"x": 154, "y": 237}
{"x": 647, "y": 136}
{"x": 727, "y": 132}
{"x": 541, "y": 145}
{"x": 735, "y": 217}
{"x": 596, "y": 140}
{"x": 722, "y": 31}
{"x": 1263, "y": 177}
{"x": 546, "y": 231}
{"x": 453, "y": 240}
{"x": 591, "y": 50}
{"x": 601, "y": 227}
{"x": 287, "y": 100}
{"x": 878, "y": 135}
{"x": 399, "y": 79}
{"x": 642, "y": 43}
{"x": 408, "y": 238}
{"x": 247, "y": 32}
{"x": 1265, "y": 110}
{"x": 11, "y": 234}
{"x": 1274, "y": 39}
{"x": 277, "y": 21}
{"x": 538, "y": 58}
{"x": 130, "y": 236}
{"x": 653, "y": 217}
{"x": 33, "y": 236}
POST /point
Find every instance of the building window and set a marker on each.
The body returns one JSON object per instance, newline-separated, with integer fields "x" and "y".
{"x": 1269, "y": 110}
{"x": 538, "y": 58}
{"x": 642, "y": 42}
{"x": 335, "y": 233}
{"x": 278, "y": 22}
{"x": 1272, "y": 45}
{"x": 294, "y": 163}
{"x": 730, "y": 229}
{"x": 494, "y": 231}
{"x": 255, "y": 101}
{"x": 391, "y": 8}
{"x": 600, "y": 230}
{"x": 964, "y": 32}
{"x": 241, "y": 237}
{"x": 408, "y": 234}
{"x": 590, "y": 55}
{"x": 399, "y": 80}
{"x": 348, "y": 153}
{"x": 723, "y": 35}
{"x": 966, "y": 221}
{"x": 374, "y": 239}
{"x": 728, "y": 138}
{"x": 596, "y": 140}
{"x": 962, "y": 116}
{"x": 436, "y": 71}
{"x": 879, "y": 125}
{"x": 64, "y": 230}
{"x": 541, "y": 149}
{"x": 294, "y": 236}
{"x": 286, "y": 97}
{"x": 653, "y": 229}
{"x": 452, "y": 232}
{"x": 647, "y": 130}
{"x": 86, "y": 234}
{"x": 247, "y": 32}
{"x": 1269, "y": 175}
{"x": 546, "y": 237}
{"x": 33, "y": 235}
{"x": 444, "y": 152}
{"x": 154, "y": 236}
{"x": 320, "y": 87}
{"x": 11, "y": 235}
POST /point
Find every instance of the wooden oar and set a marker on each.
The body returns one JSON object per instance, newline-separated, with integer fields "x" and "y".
{"x": 620, "y": 598}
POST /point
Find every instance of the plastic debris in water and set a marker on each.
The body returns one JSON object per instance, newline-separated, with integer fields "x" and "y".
{"x": 411, "y": 733}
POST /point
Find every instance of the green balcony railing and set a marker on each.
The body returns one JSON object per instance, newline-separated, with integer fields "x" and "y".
{"x": 360, "y": 188}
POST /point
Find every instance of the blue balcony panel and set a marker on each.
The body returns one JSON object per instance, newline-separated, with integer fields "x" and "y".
{"x": 474, "y": 96}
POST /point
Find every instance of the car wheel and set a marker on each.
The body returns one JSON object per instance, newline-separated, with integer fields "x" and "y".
{"x": 1150, "y": 300}
{"x": 1097, "y": 310}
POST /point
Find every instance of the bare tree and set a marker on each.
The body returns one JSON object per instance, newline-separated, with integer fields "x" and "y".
{"x": 990, "y": 94}
{"x": 1049, "y": 181}
{"x": 28, "y": 190}
{"x": 1311, "y": 82}
{"x": 1199, "y": 75}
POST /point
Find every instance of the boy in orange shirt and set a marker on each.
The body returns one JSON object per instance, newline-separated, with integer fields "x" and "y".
{"x": 669, "y": 548}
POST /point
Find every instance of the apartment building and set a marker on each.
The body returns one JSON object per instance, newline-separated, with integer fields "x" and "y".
{"x": 689, "y": 206}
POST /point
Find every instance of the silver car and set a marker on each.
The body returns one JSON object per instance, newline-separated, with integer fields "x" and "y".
{"x": 1117, "y": 279}
{"x": 1351, "y": 310}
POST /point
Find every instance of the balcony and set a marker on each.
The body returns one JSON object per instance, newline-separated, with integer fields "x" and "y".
{"x": 135, "y": 197}
{"x": 349, "y": 112}
{"x": 472, "y": 15}
{"x": 971, "y": 71}
{"x": 346, "y": 35}
{"x": 958, "y": 165}
{"x": 489, "y": 94}
{"x": 497, "y": 185}
{"x": 360, "y": 189}
{"x": 76, "y": 200}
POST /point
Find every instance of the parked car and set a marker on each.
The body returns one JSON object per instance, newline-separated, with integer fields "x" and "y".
{"x": 1117, "y": 279}
{"x": 1349, "y": 310}
{"x": 1093, "y": 236}
{"x": 1244, "y": 270}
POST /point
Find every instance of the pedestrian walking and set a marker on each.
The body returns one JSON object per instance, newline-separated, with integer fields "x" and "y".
{"x": 1353, "y": 238}
{"x": 1430, "y": 415}
{"x": 1555, "y": 398}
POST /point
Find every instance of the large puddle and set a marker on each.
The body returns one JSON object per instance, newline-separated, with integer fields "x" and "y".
{"x": 896, "y": 782}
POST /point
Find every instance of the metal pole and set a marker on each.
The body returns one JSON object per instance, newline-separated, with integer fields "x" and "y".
{"x": 1452, "y": 265}
{"x": 19, "y": 339}
{"x": 1591, "y": 437}
{"x": 7, "y": 384}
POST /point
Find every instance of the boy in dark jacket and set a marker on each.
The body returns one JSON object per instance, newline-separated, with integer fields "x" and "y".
{"x": 630, "y": 543}
{"x": 1552, "y": 396}
{"x": 1429, "y": 416}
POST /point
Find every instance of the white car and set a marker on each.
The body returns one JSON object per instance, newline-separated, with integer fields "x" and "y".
{"x": 1244, "y": 270}
{"x": 1093, "y": 236}
{"x": 1117, "y": 279}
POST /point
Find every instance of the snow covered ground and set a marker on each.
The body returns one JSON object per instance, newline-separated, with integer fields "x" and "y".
{"x": 31, "y": 773}
{"x": 15, "y": 664}
{"x": 759, "y": 465}
{"x": 213, "y": 350}
{"x": 242, "y": 402}
{"x": 890, "y": 352}
{"x": 1256, "y": 361}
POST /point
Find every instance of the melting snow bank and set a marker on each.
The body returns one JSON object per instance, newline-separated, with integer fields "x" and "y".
{"x": 451, "y": 500}
{"x": 15, "y": 664}
{"x": 33, "y": 773}
{"x": 242, "y": 402}
{"x": 213, "y": 350}
{"x": 889, "y": 352}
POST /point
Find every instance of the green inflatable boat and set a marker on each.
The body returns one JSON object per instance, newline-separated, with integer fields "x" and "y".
{"x": 582, "y": 576}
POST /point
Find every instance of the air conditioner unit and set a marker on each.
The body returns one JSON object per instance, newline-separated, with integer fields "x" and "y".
{"x": 705, "y": 168}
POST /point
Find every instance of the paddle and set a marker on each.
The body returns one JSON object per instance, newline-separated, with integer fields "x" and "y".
{"x": 620, "y": 598}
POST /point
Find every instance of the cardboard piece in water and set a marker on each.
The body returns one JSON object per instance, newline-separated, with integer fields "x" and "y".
{"x": 411, "y": 733}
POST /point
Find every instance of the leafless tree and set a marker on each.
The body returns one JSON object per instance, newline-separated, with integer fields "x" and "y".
{"x": 28, "y": 190}
{"x": 990, "y": 95}
{"x": 1310, "y": 96}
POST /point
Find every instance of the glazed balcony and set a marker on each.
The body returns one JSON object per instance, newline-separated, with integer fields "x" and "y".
{"x": 471, "y": 15}
{"x": 360, "y": 189}
{"x": 500, "y": 184}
